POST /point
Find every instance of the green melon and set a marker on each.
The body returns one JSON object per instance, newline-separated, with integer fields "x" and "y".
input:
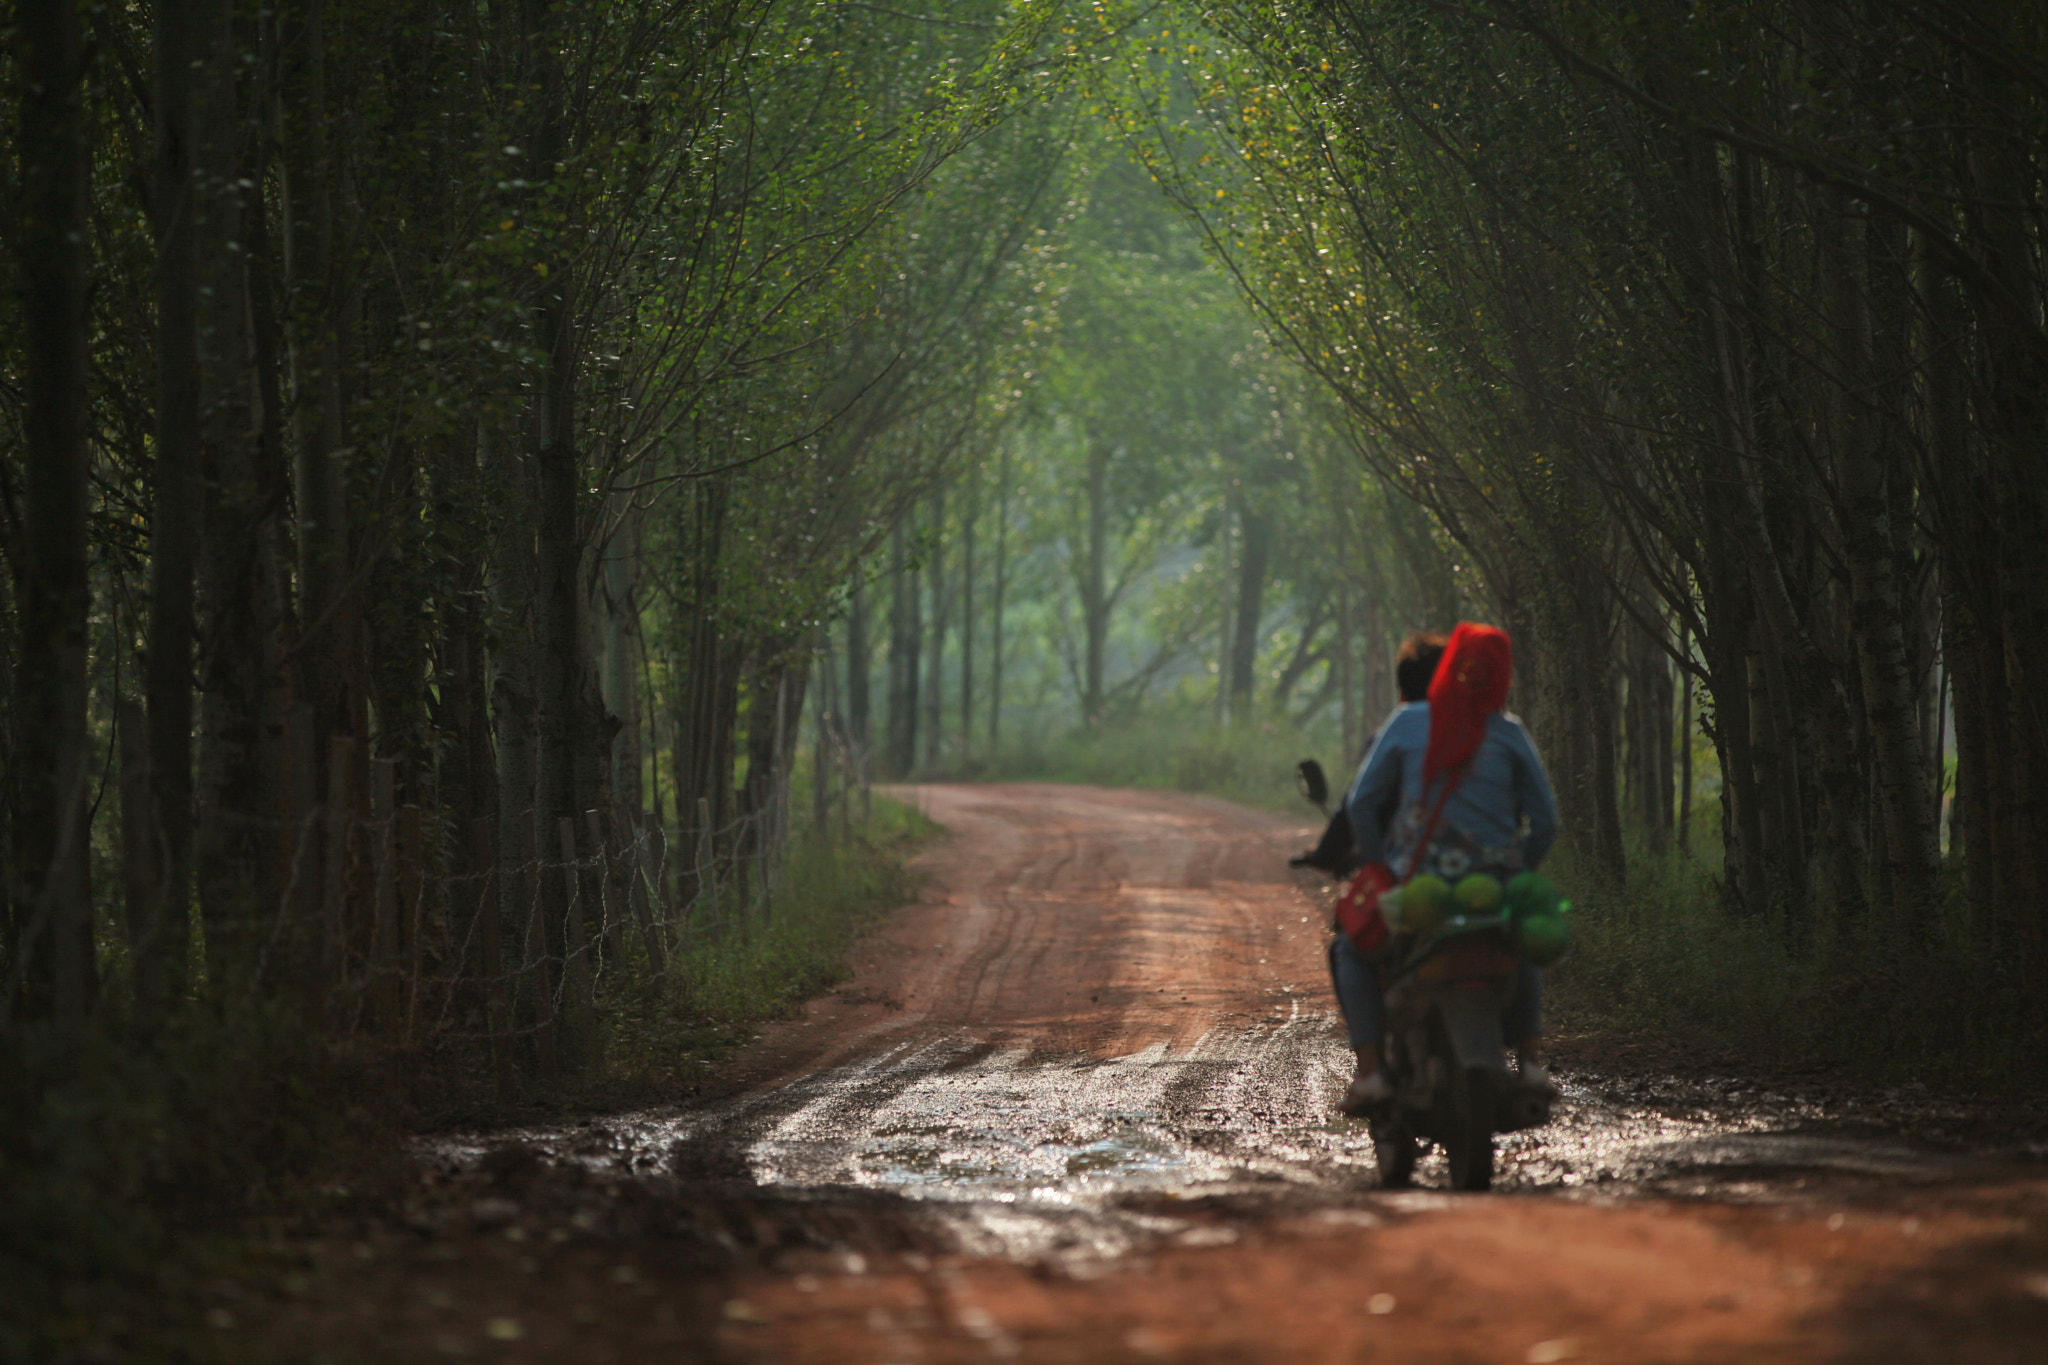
{"x": 1478, "y": 894}
{"x": 1425, "y": 900}
{"x": 1544, "y": 937}
{"x": 1531, "y": 893}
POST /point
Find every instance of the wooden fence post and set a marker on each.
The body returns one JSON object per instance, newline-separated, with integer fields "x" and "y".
{"x": 578, "y": 995}
{"x": 538, "y": 964}
{"x": 384, "y": 980}
{"x": 654, "y": 868}
{"x": 631, "y": 886}
{"x": 334, "y": 864}
{"x": 141, "y": 869}
{"x": 491, "y": 948}
{"x": 611, "y": 891}
{"x": 412, "y": 895}
{"x": 706, "y": 890}
{"x": 305, "y": 854}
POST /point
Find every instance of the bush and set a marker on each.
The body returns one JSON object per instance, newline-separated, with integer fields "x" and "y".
{"x": 115, "y": 1180}
{"x": 1800, "y": 989}
{"x": 744, "y": 966}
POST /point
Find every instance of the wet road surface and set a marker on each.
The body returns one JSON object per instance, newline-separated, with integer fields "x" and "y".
{"x": 1076, "y": 1105}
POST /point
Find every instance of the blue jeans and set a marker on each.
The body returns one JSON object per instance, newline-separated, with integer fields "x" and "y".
{"x": 1365, "y": 1011}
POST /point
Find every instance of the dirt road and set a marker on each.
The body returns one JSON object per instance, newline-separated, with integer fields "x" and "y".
{"x": 1075, "y": 1106}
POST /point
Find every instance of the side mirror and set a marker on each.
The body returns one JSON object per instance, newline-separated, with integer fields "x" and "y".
{"x": 1308, "y": 775}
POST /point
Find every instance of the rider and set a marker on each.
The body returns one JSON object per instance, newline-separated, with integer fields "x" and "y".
{"x": 1414, "y": 665}
{"x": 1459, "y": 761}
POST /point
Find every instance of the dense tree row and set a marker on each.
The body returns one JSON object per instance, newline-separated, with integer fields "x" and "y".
{"x": 1172, "y": 526}
{"x": 434, "y": 430}
{"x": 1714, "y": 338}
{"x": 446, "y": 454}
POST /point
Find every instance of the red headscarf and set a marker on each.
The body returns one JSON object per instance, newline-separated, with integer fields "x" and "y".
{"x": 1471, "y": 683}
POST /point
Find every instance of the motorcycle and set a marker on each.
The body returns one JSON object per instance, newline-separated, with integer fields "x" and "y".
{"x": 1443, "y": 1049}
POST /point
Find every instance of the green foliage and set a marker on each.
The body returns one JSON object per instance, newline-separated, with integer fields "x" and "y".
{"x": 113, "y": 1182}
{"x": 822, "y": 899}
{"x": 1179, "y": 510}
{"x": 1669, "y": 958}
{"x": 1251, "y": 762}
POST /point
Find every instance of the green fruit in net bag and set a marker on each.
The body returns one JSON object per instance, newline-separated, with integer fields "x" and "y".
{"x": 1478, "y": 894}
{"x": 1424, "y": 902}
{"x": 1543, "y": 938}
{"x": 1531, "y": 893}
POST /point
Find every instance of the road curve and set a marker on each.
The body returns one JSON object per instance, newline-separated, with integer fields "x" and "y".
{"x": 1074, "y": 1105}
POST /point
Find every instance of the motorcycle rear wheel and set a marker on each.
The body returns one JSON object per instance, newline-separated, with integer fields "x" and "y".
{"x": 1395, "y": 1149}
{"x": 1468, "y": 1139}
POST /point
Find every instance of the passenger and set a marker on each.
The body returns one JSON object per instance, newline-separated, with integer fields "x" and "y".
{"x": 1461, "y": 765}
{"x": 1337, "y": 852}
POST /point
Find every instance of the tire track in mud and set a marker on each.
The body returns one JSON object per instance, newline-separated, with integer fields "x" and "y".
{"x": 1105, "y": 991}
{"x": 1074, "y": 1105}
{"x": 1099, "y": 970}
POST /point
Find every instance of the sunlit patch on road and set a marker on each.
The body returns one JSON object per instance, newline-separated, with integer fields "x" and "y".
{"x": 1103, "y": 1117}
{"x": 1007, "y": 1152}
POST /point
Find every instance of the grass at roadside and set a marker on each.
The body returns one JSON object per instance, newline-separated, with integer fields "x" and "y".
{"x": 1665, "y": 967}
{"x": 760, "y": 967}
{"x": 1250, "y": 762}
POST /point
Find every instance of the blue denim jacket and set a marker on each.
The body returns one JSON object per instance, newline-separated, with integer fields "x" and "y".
{"x": 1482, "y": 828}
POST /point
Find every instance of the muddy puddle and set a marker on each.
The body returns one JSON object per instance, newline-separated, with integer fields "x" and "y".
{"x": 1009, "y": 1152}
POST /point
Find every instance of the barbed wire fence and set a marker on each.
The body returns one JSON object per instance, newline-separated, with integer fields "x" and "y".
{"x": 408, "y": 934}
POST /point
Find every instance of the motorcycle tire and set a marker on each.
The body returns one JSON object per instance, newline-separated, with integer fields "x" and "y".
{"x": 1395, "y": 1149}
{"x": 1468, "y": 1141}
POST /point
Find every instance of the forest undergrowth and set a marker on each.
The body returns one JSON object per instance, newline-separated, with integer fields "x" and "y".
{"x": 824, "y": 898}
{"x": 177, "y": 1141}
{"x": 1664, "y": 966}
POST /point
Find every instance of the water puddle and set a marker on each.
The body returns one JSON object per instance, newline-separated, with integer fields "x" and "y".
{"x": 1024, "y": 1156}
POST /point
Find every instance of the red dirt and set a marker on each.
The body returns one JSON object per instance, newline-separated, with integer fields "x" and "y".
{"x": 1079, "y": 922}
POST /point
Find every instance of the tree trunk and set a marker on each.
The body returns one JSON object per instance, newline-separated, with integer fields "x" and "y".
{"x": 1223, "y": 623}
{"x": 1095, "y": 587}
{"x": 160, "y": 966}
{"x": 1349, "y": 712}
{"x": 1873, "y": 336}
{"x": 567, "y": 742}
{"x": 465, "y": 783}
{"x": 904, "y": 632}
{"x": 513, "y": 711}
{"x": 284, "y": 750}
{"x": 1684, "y": 750}
{"x": 935, "y": 671}
{"x": 822, "y": 720}
{"x": 1972, "y": 664}
{"x": 329, "y": 625}
{"x": 1256, "y": 545}
{"x": 240, "y": 595}
{"x": 620, "y": 673}
{"x": 2015, "y": 421}
{"x": 859, "y": 725}
{"x": 50, "y": 918}
{"x": 995, "y": 646}
{"x": 968, "y": 514}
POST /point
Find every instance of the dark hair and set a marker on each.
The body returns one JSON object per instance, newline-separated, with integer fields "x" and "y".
{"x": 1416, "y": 663}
